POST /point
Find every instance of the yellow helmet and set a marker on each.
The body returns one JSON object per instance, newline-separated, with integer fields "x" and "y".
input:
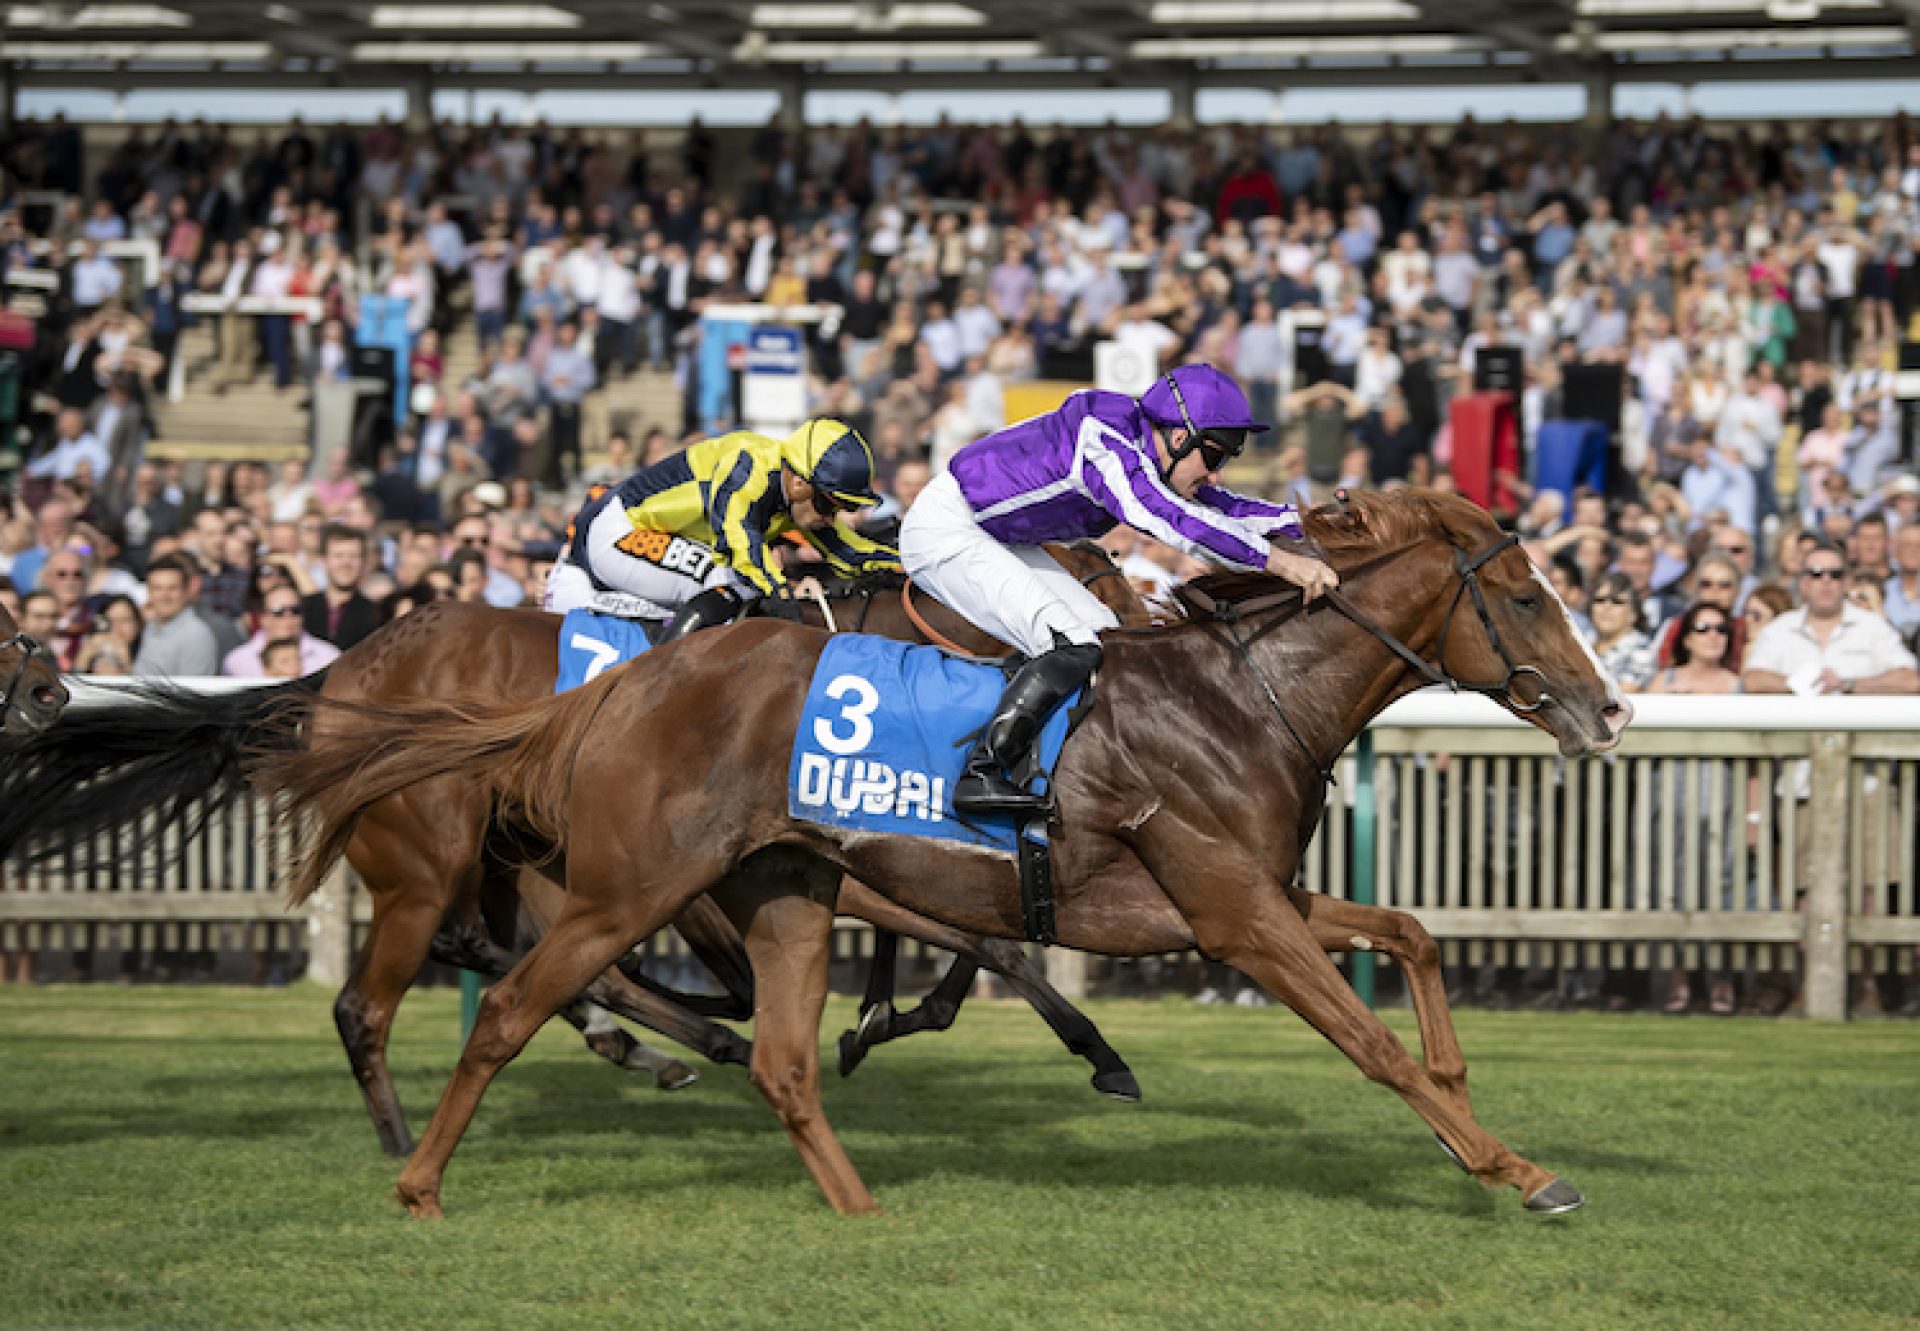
{"x": 833, "y": 457}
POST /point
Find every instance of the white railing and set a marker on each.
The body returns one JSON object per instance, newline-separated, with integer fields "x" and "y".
{"x": 1724, "y": 832}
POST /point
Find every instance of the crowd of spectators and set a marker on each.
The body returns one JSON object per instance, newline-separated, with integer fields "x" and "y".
{"x": 1759, "y": 528}
{"x": 1752, "y": 285}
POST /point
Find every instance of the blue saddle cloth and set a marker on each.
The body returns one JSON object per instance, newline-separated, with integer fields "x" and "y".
{"x": 885, "y": 734}
{"x": 592, "y": 644}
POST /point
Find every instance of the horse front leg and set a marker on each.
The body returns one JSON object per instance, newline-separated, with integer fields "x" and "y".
{"x": 1344, "y": 926}
{"x": 1242, "y": 915}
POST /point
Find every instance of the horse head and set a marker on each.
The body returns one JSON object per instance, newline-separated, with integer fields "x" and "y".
{"x": 31, "y": 695}
{"x": 1497, "y": 626}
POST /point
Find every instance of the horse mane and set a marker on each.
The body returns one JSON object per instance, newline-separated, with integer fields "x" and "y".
{"x": 871, "y": 583}
{"x": 1373, "y": 522}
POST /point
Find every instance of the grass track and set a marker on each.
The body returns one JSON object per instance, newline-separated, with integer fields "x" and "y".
{"x": 199, "y": 1158}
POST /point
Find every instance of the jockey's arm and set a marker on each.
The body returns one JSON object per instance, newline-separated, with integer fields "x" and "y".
{"x": 1121, "y": 480}
{"x": 737, "y": 512}
{"x": 1270, "y": 518}
{"x": 850, "y": 552}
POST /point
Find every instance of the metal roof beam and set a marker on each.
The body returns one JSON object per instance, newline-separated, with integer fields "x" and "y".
{"x": 1490, "y": 23}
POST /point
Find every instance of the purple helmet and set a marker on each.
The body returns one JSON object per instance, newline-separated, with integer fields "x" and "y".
{"x": 1200, "y": 398}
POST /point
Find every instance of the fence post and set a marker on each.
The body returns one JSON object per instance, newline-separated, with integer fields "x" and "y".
{"x": 1067, "y": 972}
{"x": 1365, "y": 827}
{"x": 1826, "y": 956}
{"x": 330, "y": 930}
{"x": 469, "y": 1003}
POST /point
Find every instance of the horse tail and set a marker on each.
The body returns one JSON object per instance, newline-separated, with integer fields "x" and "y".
{"x": 521, "y": 755}
{"x": 144, "y": 746}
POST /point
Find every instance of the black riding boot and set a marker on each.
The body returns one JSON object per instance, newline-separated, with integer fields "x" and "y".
{"x": 1038, "y": 687}
{"x": 710, "y": 609}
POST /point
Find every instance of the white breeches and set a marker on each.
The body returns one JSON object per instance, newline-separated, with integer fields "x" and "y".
{"x": 1015, "y": 592}
{"x": 651, "y": 574}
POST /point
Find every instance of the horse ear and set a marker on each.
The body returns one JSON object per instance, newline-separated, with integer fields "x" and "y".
{"x": 1349, "y": 515}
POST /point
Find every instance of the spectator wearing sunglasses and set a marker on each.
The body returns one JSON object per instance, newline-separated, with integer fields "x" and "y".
{"x": 1829, "y": 645}
{"x": 1627, "y": 652}
{"x": 1700, "y": 653}
{"x": 280, "y": 622}
{"x": 1716, "y": 582}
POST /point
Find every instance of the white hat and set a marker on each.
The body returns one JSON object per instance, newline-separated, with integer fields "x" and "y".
{"x": 490, "y": 494}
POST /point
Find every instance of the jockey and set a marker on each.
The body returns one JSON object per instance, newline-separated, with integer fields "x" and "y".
{"x": 1100, "y": 459}
{"x": 687, "y": 538}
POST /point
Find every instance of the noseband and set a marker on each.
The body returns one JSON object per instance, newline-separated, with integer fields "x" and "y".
{"x": 1466, "y": 568}
{"x": 28, "y": 649}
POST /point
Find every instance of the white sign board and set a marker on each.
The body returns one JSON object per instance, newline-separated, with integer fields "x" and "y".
{"x": 773, "y": 386}
{"x": 1121, "y": 368}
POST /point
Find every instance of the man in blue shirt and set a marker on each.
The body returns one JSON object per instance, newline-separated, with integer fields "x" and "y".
{"x": 1714, "y": 482}
{"x": 1553, "y": 238}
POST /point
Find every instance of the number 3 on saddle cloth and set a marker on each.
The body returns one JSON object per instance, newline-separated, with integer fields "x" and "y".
{"x": 884, "y": 736}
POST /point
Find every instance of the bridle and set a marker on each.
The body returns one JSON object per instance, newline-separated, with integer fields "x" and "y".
{"x": 1232, "y": 614}
{"x": 28, "y": 649}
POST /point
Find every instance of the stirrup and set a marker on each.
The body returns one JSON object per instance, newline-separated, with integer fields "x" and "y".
{"x": 975, "y": 793}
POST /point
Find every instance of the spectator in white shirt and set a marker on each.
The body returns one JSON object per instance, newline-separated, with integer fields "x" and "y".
{"x": 941, "y": 337}
{"x": 1377, "y": 370}
{"x": 619, "y": 307}
{"x": 1829, "y": 645}
{"x": 581, "y": 271}
{"x": 272, "y": 278}
{"x": 1141, "y": 331}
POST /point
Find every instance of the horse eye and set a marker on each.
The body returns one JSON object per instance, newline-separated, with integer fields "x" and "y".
{"x": 1527, "y": 603}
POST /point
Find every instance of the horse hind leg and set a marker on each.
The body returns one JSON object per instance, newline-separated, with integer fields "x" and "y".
{"x": 582, "y": 943}
{"x": 1111, "y": 1075}
{"x": 605, "y": 1038}
{"x": 786, "y": 920}
{"x": 398, "y": 942}
{"x": 877, "y": 1021}
{"x": 537, "y": 899}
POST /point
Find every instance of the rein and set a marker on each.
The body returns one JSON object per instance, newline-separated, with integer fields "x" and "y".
{"x": 1466, "y": 568}
{"x": 28, "y": 649}
{"x": 934, "y": 636}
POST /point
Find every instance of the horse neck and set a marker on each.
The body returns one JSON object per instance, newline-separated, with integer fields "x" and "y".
{"x": 1331, "y": 675}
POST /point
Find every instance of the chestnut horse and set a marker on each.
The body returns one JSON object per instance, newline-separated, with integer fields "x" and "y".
{"x": 1185, "y": 799}
{"x": 31, "y": 695}
{"x": 444, "y": 884}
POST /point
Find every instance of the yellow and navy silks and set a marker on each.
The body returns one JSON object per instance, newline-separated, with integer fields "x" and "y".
{"x": 726, "y": 493}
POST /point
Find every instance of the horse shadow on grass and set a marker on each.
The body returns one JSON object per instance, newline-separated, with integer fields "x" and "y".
{"x": 1010, "y": 1127}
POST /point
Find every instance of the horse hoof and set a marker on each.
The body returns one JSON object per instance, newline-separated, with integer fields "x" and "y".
{"x": 851, "y": 1052}
{"x": 420, "y": 1206}
{"x": 399, "y": 1150}
{"x": 1557, "y": 1198}
{"x": 1454, "y": 1156}
{"x": 1118, "y": 1086}
{"x": 674, "y": 1076}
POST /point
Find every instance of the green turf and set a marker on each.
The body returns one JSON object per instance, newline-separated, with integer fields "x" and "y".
{"x": 199, "y": 1158}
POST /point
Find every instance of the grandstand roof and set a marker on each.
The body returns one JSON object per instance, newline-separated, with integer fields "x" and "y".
{"x": 992, "y": 43}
